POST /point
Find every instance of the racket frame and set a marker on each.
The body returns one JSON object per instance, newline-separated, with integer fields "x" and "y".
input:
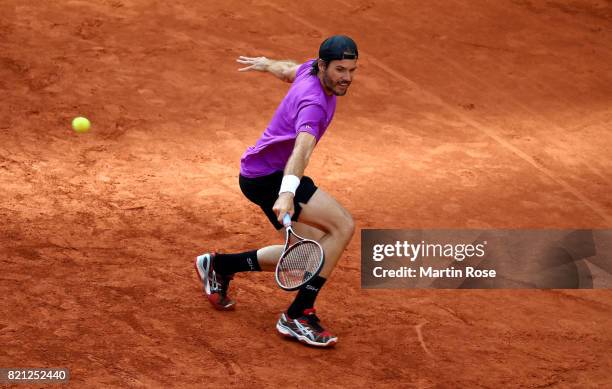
{"x": 300, "y": 240}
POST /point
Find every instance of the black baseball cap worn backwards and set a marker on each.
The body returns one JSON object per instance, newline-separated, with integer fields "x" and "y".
{"x": 338, "y": 47}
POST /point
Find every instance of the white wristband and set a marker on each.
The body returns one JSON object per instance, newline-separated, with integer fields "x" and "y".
{"x": 290, "y": 184}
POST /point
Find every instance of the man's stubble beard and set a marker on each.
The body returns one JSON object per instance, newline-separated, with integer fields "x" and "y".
{"x": 330, "y": 85}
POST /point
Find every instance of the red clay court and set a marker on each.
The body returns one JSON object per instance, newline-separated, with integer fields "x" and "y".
{"x": 463, "y": 114}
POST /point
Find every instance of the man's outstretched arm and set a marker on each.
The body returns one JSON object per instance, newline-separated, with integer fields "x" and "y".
{"x": 284, "y": 69}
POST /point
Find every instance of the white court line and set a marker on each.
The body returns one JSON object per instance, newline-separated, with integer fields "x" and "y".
{"x": 432, "y": 98}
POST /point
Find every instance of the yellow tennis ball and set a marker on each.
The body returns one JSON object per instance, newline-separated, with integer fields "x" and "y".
{"x": 80, "y": 124}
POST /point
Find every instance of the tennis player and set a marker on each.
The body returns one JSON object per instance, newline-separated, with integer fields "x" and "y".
{"x": 272, "y": 176}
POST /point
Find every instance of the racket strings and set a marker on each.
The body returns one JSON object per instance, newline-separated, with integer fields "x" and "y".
{"x": 299, "y": 263}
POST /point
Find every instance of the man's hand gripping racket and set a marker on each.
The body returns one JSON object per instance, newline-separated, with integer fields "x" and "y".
{"x": 300, "y": 260}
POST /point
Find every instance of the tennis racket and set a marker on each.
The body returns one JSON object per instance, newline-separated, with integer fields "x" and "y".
{"x": 300, "y": 261}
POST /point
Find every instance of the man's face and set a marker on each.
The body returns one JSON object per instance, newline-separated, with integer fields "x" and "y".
{"x": 338, "y": 75}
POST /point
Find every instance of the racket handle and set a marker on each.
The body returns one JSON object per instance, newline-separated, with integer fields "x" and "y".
{"x": 287, "y": 220}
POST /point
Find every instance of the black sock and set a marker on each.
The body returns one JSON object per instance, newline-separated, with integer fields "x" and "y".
{"x": 234, "y": 263}
{"x": 306, "y": 297}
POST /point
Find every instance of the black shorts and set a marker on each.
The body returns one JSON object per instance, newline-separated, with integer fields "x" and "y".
{"x": 263, "y": 191}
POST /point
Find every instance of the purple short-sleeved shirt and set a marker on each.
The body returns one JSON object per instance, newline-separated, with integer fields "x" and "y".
{"x": 307, "y": 108}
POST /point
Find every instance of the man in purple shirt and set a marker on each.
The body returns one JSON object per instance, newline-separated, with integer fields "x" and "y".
{"x": 272, "y": 176}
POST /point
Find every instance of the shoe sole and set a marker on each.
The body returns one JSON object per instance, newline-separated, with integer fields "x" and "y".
{"x": 288, "y": 332}
{"x": 202, "y": 272}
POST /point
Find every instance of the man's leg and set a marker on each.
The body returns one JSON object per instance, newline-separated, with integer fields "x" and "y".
{"x": 325, "y": 214}
{"x": 332, "y": 226}
{"x": 322, "y": 219}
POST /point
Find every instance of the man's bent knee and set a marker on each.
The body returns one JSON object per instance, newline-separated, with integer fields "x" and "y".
{"x": 342, "y": 226}
{"x": 347, "y": 227}
{"x": 325, "y": 213}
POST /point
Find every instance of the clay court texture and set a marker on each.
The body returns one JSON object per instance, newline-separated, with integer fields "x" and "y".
{"x": 463, "y": 114}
